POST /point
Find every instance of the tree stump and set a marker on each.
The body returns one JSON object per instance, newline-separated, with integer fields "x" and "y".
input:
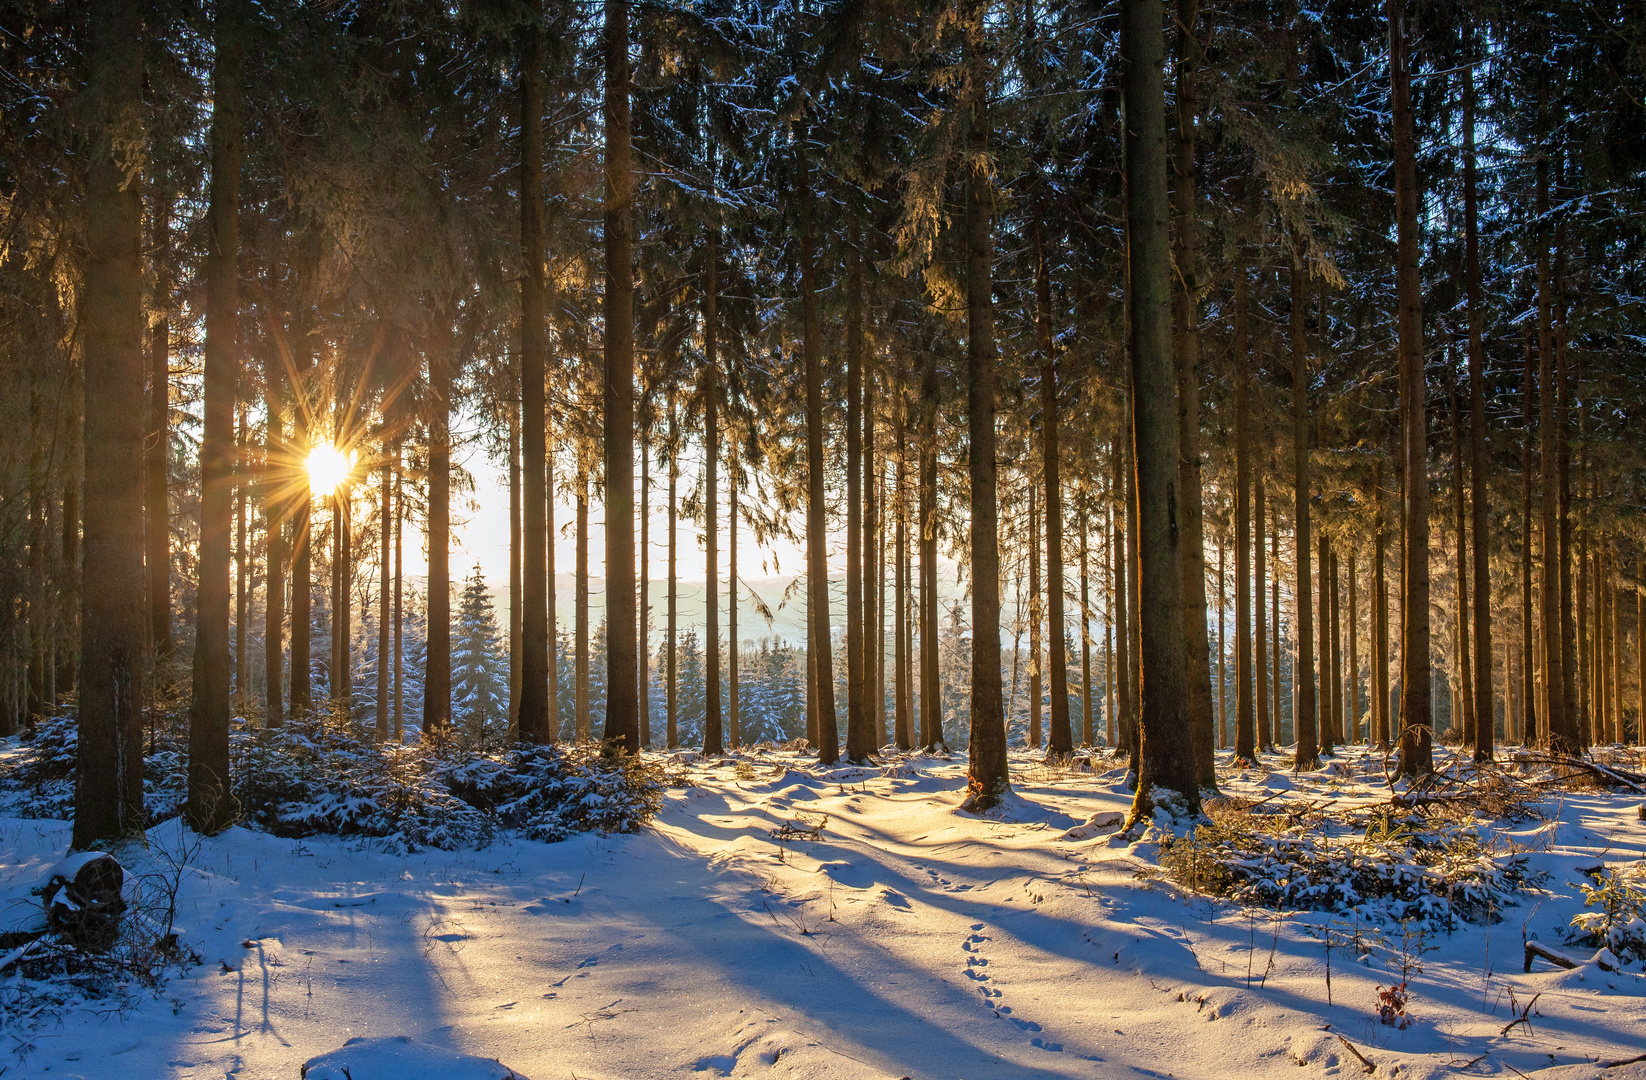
{"x": 83, "y": 898}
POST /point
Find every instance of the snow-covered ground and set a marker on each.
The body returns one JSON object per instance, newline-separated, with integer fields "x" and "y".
{"x": 909, "y": 940}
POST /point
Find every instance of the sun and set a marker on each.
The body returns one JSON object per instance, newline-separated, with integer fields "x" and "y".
{"x": 328, "y": 467}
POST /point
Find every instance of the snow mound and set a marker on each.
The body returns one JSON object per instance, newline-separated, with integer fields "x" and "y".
{"x": 400, "y": 1058}
{"x": 1100, "y": 823}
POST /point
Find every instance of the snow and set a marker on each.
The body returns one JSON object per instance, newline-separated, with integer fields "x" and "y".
{"x": 402, "y": 1058}
{"x": 910, "y": 940}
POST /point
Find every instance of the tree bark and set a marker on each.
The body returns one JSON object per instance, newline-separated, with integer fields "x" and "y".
{"x": 384, "y": 497}
{"x": 734, "y": 731}
{"x": 1060, "y": 737}
{"x": 157, "y": 451}
{"x": 622, "y": 733}
{"x": 437, "y": 666}
{"x": 399, "y": 599}
{"x": 1304, "y": 727}
{"x": 1121, "y": 573}
{"x": 902, "y": 733}
{"x": 276, "y": 471}
{"x": 1036, "y": 614}
{"x": 713, "y": 735}
{"x": 210, "y": 808}
{"x": 1465, "y": 681}
{"x": 1484, "y": 728}
{"x": 1186, "y": 350}
{"x": 582, "y": 726}
{"x": 1166, "y": 753}
{"x": 644, "y": 615}
{"x": 108, "y": 779}
{"x": 1245, "y": 708}
{"x": 1528, "y": 695}
{"x": 536, "y": 720}
{"x": 1416, "y": 714}
{"x": 1323, "y": 580}
{"x": 859, "y": 736}
{"x": 672, "y": 719}
{"x": 986, "y": 774}
{"x": 817, "y": 566}
{"x": 242, "y": 663}
{"x": 1265, "y": 733}
{"x": 931, "y": 703}
{"x": 1380, "y": 618}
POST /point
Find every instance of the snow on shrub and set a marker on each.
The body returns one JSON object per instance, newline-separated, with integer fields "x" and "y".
{"x": 315, "y": 776}
{"x": 1418, "y": 869}
{"x": 1614, "y": 915}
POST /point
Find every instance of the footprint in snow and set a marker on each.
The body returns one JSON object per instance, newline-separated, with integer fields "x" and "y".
{"x": 1047, "y": 1044}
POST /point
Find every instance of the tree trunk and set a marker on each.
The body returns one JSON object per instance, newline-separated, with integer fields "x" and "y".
{"x": 1483, "y": 735}
{"x": 157, "y": 451}
{"x": 1120, "y": 572}
{"x": 901, "y": 724}
{"x": 276, "y": 454}
{"x": 1464, "y": 675}
{"x": 399, "y": 600}
{"x": 537, "y": 721}
{"x": 1086, "y": 733}
{"x": 1554, "y": 702}
{"x": 1036, "y": 613}
{"x": 859, "y": 736}
{"x": 644, "y": 636}
{"x": 582, "y": 728}
{"x": 301, "y": 321}
{"x": 1245, "y": 708}
{"x": 931, "y": 716}
{"x": 1572, "y": 739}
{"x": 1416, "y": 714}
{"x": 622, "y": 733}
{"x": 1186, "y": 349}
{"x": 1061, "y": 738}
{"x": 242, "y": 663}
{"x": 1304, "y": 728}
{"x": 108, "y": 779}
{"x": 1222, "y": 648}
{"x": 515, "y": 555}
{"x": 1354, "y": 654}
{"x": 437, "y": 667}
{"x": 671, "y": 656}
{"x": 1274, "y": 628}
{"x": 734, "y": 730}
{"x": 210, "y": 807}
{"x": 384, "y": 496}
{"x": 1323, "y": 580}
{"x": 1265, "y": 733}
{"x": 1166, "y": 753}
{"x": 986, "y": 774}
{"x": 1528, "y": 694}
{"x": 713, "y": 735}
{"x": 817, "y": 566}
{"x": 1380, "y": 618}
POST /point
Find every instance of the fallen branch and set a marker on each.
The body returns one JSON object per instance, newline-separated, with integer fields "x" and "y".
{"x": 1534, "y": 948}
{"x": 1523, "y": 1018}
{"x": 1624, "y": 1061}
{"x": 1370, "y": 1068}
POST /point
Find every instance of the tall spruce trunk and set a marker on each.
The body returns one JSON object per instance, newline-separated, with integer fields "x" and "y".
{"x": 385, "y": 497}
{"x": 437, "y": 664}
{"x": 242, "y": 484}
{"x": 1166, "y": 751}
{"x": 931, "y": 716}
{"x": 1528, "y": 666}
{"x": 108, "y": 778}
{"x": 537, "y": 721}
{"x": 622, "y": 733}
{"x": 1323, "y": 579}
{"x": 1266, "y": 732}
{"x": 874, "y": 575}
{"x": 399, "y": 599}
{"x": 1380, "y": 616}
{"x": 1353, "y": 735}
{"x": 733, "y": 730}
{"x": 817, "y": 565}
{"x": 1556, "y": 724}
{"x": 1121, "y": 574}
{"x": 1304, "y": 727}
{"x": 301, "y": 322}
{"x": 1036, "y": 614}
{"x": 902, "y": 718}
{"x": 986, "y": 774}
{"x": 714, "y": 741}
{"x": 1186, "y": 349}
{"x": 582, "y": 727}
{"x": 671, "y": 654}
{"x": 1416, "y": 711}
{"x": 276, "y": 472}
{"x": 1465, "y": 676}
{"x": 859, "y": 736}
{"x": 1245, "y": 706}
{"x": 1484, "y": 728}
{"x": 644, "y": 644}
{"x": 157, "y": 449}
{"x": 515, "y": 555}
{"x": 1059, "y": 736}
{"x": 1572, "y": 740}
{"x": 210, "y": 807}
{"x": 1086, "y": 733}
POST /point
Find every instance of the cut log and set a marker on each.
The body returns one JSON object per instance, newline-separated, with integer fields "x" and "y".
{"x": 1602, "y": 959}
{"x": 84, "y": 900}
